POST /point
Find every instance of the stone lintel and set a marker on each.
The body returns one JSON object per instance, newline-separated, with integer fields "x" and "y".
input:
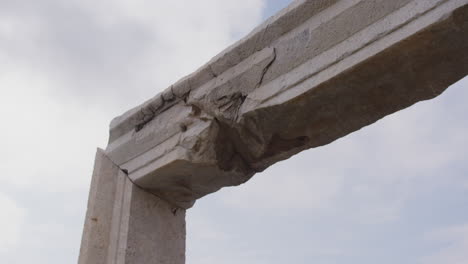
{"x": 315, "y": 72}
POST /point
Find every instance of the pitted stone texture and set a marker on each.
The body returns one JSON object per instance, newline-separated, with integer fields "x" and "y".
{"x": 301, "y": 80}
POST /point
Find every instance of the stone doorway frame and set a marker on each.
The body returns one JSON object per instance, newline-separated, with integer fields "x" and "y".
{"x": 315, "y": 72}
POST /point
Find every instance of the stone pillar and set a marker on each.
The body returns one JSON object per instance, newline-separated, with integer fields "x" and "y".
{"x": 125, "y": 224}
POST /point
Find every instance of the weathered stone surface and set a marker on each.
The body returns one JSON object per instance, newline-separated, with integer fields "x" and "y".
{"x": 315, "y": 72}
{"x": 312, "y": 74}
{"x": 126, "y": 225}
{"x": 98, "y": 222}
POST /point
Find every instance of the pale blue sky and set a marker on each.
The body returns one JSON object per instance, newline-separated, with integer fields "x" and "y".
{"x": 394, "y": 192}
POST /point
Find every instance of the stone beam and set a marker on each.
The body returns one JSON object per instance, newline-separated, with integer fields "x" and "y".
{"x": 315, "y": 72}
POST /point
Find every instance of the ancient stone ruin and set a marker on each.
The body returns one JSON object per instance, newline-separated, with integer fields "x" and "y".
{"x": 315, "y": 72}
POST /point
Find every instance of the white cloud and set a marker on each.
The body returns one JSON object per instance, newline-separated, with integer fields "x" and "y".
{"x": 45, "y": 141}
{"x": 66, "y": 69}
{"x": 11, "y": 222}
{"x": 121, "y": 51}
{"x": 66, "y": 72}
{"x": 287, "y": 186}
{"x": 453, "y": 243}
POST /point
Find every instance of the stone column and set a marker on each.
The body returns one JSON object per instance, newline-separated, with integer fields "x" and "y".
{"x": 125, "y": 224}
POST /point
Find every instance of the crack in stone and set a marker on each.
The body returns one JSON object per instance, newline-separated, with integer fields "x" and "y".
{"x": 125, "y": 171}
{"x": 350, "y": 53}
{"x": 267, "y": 67}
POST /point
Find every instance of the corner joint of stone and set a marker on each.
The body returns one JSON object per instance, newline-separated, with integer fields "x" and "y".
{"x": 175, "y": 208}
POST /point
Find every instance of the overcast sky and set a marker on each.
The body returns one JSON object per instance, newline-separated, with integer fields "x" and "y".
{"x": 394, "y": 192}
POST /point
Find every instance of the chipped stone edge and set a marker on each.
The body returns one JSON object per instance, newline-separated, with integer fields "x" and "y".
{"x": 272, "y": 29}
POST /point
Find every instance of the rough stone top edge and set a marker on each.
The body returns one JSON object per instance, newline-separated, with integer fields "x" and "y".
{"x": 260, "y": 37}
